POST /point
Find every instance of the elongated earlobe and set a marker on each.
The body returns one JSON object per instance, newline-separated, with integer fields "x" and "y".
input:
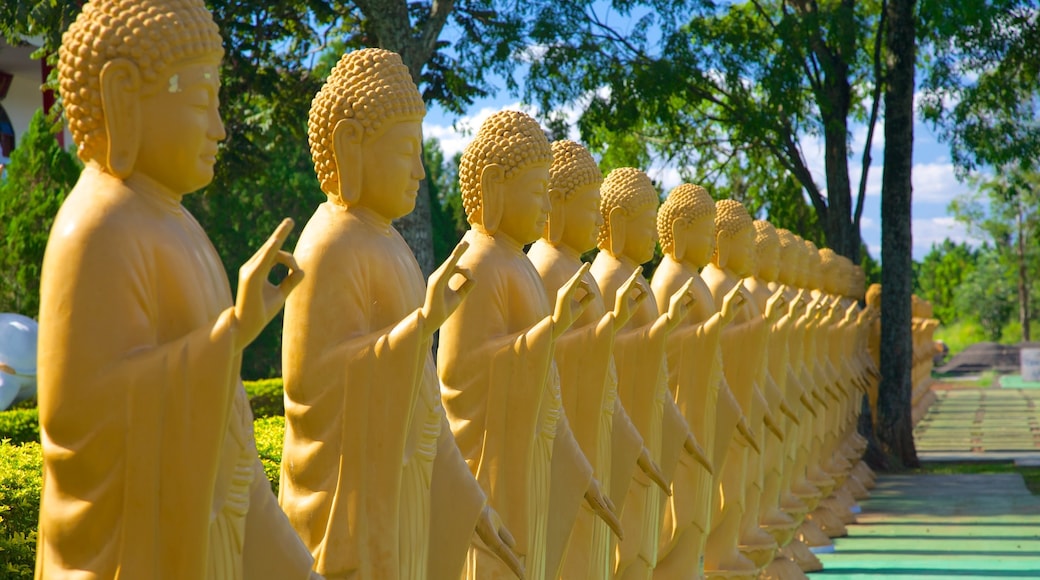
{"x": 678, "y": 239}
{"x": 617, "y": 222}
{"x": 346, "y": 150}
{"x": 557, "y": 217}
{"x": 492, "y": 198}
{"x": 120, "y": 102}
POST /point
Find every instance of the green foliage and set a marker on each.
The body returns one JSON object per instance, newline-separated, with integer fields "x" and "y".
{"x": 446, "y": 212}
{"x": 266, "y": 397}
{"x": 724, "y": 91}
{"x": 940, "y": 275}
{"x": 961, "y": 334}
{"x": 21, "y": 472}
{"x": 39, "y": 177}
{"x": 20, "y": 425}
{"x": 988, "y": 292}
{"x": 270, "y": 434}
{"x": 981, "y": 65}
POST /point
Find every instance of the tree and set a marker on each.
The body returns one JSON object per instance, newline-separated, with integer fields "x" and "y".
{"x": 982, "y": 78}
{"x": 987, "y": 294}
{"x": 941, "y": 273}
{"x": 39, "y": 177}
{"x": 1005, "y": 208}
{"x": 894, "y": 425}
{"x": 735, "y": 81}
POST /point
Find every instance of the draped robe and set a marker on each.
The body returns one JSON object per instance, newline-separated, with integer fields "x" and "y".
{"x": 150, "y": 467}
{"x": 588, "y": 387}
{"x": 643, "y": 390}
{"x": 371, "y": 476}
{"x": 501, "y": 392}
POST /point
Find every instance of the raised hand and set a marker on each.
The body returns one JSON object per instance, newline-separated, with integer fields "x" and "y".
{"x": 775, "y": 305}
{"x": 258, "y": 300}
{"x": 733, "y": 301}
{"x": 647, "y": 466}
{"x": 603, "y": 508}
{"x": 497, "y": 538}
{"x": 678, "y": 309}
{"x": 441, "y": 300}
{"x": 629, "y": 296}
{"x": 567, "y": 308}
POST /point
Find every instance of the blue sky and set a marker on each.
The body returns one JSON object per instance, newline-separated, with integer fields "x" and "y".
{"x": 935, "y": 183}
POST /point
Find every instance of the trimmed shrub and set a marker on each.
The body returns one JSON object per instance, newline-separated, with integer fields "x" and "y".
{"x": 266, "y": 397}
{"x": 21, "y": 471}
{"x": 270, "y": 433}
{"x": 20, "y": 425}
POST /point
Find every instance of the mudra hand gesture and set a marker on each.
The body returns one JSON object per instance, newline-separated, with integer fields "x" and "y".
{"x": 441, "y": 299}
{"x": 568, "y": 308}
{"x": 258, "y": 300}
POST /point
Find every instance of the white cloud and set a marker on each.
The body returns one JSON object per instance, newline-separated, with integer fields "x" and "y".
{"x": 936, "y": 182}
{"x": 455, "y": 137}
{"x": 929, "y": 231}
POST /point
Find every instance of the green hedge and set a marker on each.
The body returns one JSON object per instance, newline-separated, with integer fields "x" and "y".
{"x": 21, "y": 468}
{"x": 20, "y": 425}
{"x": 266, "y": 397}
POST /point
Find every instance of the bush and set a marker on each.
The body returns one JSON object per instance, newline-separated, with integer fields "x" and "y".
{"x": 266, "y": 397}
{"x": 20, "y": 425}
{"x": 270, "y": 433}
{"x": 21, "y": 471}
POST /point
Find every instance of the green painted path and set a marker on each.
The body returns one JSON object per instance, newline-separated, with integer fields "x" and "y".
{"x": 952, "y": 526}
{"x": 941, "y": 526}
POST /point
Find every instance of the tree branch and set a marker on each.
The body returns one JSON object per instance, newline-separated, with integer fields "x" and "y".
{"x": 878, "y": 83}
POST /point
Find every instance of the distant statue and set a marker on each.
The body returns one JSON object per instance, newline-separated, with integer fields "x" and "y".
{"x": 499, "y": 385}
{"x": 584, "y": 357}
{"x": 686, "y": 226}
{"x": 371, "y": 476}
{"x": 17, "y": 358}
{"x": 627, "y": 239}
{"x": 149, "y": 465}
{"x": 744, "y": 345}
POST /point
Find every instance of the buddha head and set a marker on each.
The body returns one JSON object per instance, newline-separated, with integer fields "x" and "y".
{"x": 504, "y": 177}
{"x": 734, "y": 238}
{"x": 767, "y": 249}
{"x": 857, "y": 283}
{"x": 140, "y": 83}
{"x": 365, "y": 133}
{"x": 873, "y": 297}
{"x": 629, "y": 209}
{"x": 686, "y": 225}
{"x": 790, "y": 257}
{"x": 814, "y": 274}
{"x": 831, "y": 274}
{"x": 574, "y": 182}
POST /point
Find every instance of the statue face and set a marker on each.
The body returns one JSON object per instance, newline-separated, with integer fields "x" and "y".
{"x": 641, "y": 235}
{"x": 742, "y": 253}
{"x": 391, "y": 169}
{"x": 583, "y": 218}
{"x": 181, "y": 127}
{"x": 768, "y": 262}
{"x": 700, "y": 240}
{"x": 525, "y": 207}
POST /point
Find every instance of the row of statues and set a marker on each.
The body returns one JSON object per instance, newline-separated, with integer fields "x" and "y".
{"x": 578, "y": 420}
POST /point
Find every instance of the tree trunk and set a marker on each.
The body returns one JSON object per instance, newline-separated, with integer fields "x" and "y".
{"x": 1023, "y": 279}
{"x": 894, "y": 421}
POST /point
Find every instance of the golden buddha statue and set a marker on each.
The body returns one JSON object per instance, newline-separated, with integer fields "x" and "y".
{"x": 149, "y": 462}
{"x": 499, "y": 385}
{"x": 686, "y": 227}
{"x": 371, "y": 476}
{"x": 744, "y": 348}
{"x": 584, "y": 358}
{"x": 627, "y": 239}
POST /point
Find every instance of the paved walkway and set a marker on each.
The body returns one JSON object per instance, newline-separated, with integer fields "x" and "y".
{"x": 952, "y": 526}
{"x": 981, "y": 425}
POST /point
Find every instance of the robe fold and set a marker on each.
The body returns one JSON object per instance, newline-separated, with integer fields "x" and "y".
{"x": 150, "y": 467}
{"x": 370, "y": 476}
{"x": 501, "y": 393}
